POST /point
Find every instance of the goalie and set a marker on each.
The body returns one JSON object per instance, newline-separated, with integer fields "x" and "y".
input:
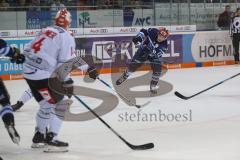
{"x": 153, "y": 45}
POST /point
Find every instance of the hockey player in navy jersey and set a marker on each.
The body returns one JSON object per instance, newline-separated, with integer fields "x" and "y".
{"x": 153, "y": 45}
{"x": 6, "y": 111}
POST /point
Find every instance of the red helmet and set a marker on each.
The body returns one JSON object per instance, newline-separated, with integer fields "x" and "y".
{"x": 163, "y": 32}
{"x": 63, "y": 18}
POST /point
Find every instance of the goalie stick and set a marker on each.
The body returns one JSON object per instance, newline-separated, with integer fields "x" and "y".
{"x": 188, "y": 97}
{"x": 133, "y": 147}
{"x": 121, "y": 95}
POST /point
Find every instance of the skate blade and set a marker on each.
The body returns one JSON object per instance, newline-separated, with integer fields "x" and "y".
{"x": 16, "y": 140}
{"x": 13, "y": 134}
{"x": 54, "y": 149}
{"x": 38, "y": 145}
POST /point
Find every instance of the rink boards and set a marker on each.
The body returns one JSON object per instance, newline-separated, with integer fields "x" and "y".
{"x": 110, "y": 53}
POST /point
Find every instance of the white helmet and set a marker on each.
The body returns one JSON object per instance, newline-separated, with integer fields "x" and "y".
{"x": 63, "y": 18}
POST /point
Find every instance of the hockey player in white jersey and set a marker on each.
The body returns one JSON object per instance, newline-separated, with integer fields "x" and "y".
{"x": 6, "y": 110}
{"x": 52, "y": 47}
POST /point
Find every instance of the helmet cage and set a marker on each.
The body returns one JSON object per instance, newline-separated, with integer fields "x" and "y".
{"x": 63, "y": 18}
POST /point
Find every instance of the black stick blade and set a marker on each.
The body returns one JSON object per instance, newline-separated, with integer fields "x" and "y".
{"x": 143, "y": 105}
{"x": 181, "y": 96}
{"x": 141, "y": 147}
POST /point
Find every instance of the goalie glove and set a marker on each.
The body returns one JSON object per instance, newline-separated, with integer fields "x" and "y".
{"x": 92, "y": 72}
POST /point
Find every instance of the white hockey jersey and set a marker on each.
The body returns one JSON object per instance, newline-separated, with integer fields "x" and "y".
{"x": 52, "y": 47}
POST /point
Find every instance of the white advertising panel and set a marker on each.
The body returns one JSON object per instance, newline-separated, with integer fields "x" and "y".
{"x": 212, "y": 46}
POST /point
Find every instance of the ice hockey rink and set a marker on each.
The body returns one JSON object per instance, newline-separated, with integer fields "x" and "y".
{"x": 210, "y": 132}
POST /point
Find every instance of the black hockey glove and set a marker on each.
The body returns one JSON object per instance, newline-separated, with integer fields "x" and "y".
{"x": 92, "y": 72}
{"x": 17, "y": 56}
{"x": 136, "y": 39}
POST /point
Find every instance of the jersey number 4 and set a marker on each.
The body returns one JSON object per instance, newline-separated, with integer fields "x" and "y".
{"x": 37, "y": 45}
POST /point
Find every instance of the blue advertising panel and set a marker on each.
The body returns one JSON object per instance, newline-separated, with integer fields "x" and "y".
{"x": 187, "y": 51}
{"x": 174, "y": 53}
{"x": 18, "y": 43}
{"x": 6, "y": 67}
{"x": 109, "y": 50}
{"x": 38, "y": 19}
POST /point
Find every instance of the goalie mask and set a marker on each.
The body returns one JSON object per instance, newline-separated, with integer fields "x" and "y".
{"x": 63, "y": 18}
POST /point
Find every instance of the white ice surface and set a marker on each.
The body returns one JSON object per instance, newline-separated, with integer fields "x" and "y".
{"x": 213, "y": 133}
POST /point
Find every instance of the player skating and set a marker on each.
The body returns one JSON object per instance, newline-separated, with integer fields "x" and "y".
{"x": 6, "y": 111}
{"x": 51, "y": 48}
{"x": 153, "y": 45}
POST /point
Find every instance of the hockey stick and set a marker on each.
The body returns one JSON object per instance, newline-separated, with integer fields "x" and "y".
{"x": 133, "y": 147}
{"x": 188, "y": 97}
{"x": 121, "y": 95}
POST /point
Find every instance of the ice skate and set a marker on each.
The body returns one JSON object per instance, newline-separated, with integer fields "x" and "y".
{"x": 54, "y": 145}
{"x": 13, "y": 133}
{"x": 153, "y": 88}
{"x": 123, "y": 77}
{"x": 38, "y": 140}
